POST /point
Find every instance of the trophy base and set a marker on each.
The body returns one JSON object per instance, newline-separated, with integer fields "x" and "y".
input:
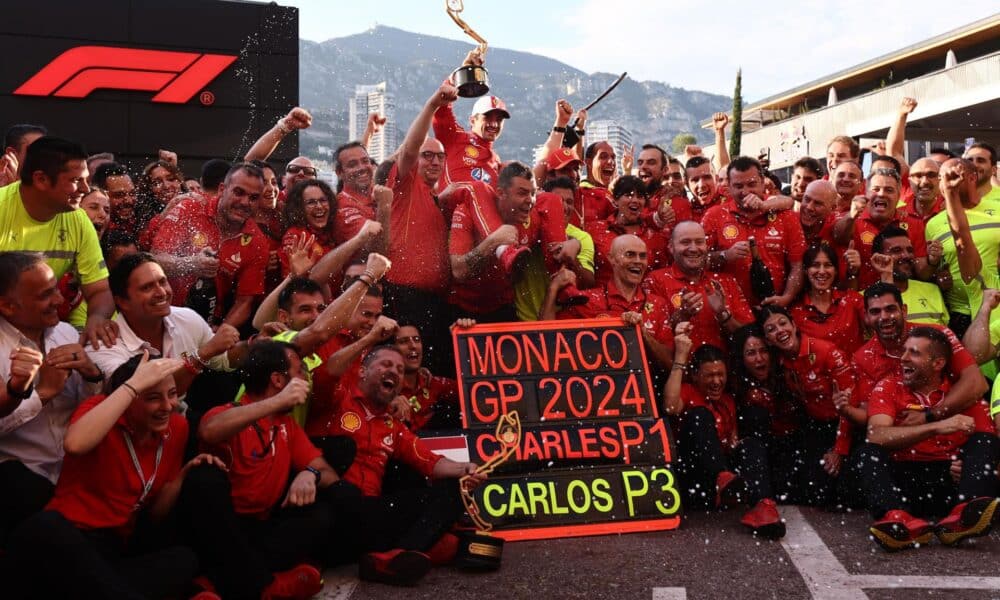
{"x": 472, "y": 81}
{"x": 478, "y": 551}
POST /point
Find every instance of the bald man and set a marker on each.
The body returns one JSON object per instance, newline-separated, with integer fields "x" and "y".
{"x": 925, "y": 199}
{"x": 816, "y": 213}
{"x": 298, "y": 169}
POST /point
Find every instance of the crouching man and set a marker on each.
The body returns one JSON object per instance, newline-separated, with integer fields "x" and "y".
{"x": 905, "y": 467}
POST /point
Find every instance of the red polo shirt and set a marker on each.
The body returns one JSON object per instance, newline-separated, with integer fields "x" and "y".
{"x": 874, "y": 362}
{"x": 723, "y": 409}
{"x": 671, "y": 283}
{"x": 605, "y": 232}
{"x": 378, "y": 437}
{"x": 491, "y": 289}
{"x": 892, "y": 397}
{"x": 100, "y": 489}
{"x": 825, "y": 233}
{"x": 418, "y": 246}
{"x": 783, "y": 410}
{"x": 428, "y": 392}
{"x": 778, "y": 235}
{"x": 864, "y": 234}
{"x": 606, "y": 302}
{"x": 261, "y": 458}
{"x": 698, "y": 209}
{"x": 190, "y": 227}
{"x": 843, "y": 325}
{"x": 680, "y": 204}
{"x": 590, "y": 203}
{"x": 470, "y": 157}
{"x": 328, "y": 390}
{"x": 911, "y": 207}
{"x": 352, "y": 212}
{"x": 811, "y": 376}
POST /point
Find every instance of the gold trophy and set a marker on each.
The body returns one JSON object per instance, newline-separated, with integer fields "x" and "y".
{"x": 472, "y": 81}
{"x": 478, "y": 549}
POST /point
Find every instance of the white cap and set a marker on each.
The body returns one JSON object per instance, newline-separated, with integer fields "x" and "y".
{"x": 487, "y": 104}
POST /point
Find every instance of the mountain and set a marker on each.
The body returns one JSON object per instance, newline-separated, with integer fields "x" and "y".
{"x": 414, "y": 66}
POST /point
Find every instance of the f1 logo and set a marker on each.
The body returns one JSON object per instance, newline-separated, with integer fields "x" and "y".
{"x": 176, "y": 76}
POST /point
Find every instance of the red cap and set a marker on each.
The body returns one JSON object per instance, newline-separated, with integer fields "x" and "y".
{"x": 561, "y": 158}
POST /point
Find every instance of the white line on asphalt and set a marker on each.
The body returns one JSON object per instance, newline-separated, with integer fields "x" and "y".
{"x": 670, "y": 593}
{"x": 827, "y": 579}
{"x": 339, "y": 583}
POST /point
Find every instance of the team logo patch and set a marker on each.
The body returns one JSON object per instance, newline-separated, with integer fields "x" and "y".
{"x": 350, "y": 422}
{"x": 812, "y": 358}
{"x": 472, "y": 152}
{"x": 387, "y": 440}
{"x": 648, "y": 307}
{"x": 676, "y": 300}
{"x": 730, "y": 232}
{"x": 245, "y": 239}
{"x": 771, "y": 217}
{"x": 199, "y": 240}
{"x": 867, "y": 237}
{"x": 904, "y": 225}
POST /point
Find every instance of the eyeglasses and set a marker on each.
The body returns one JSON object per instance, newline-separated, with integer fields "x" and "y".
{"x": 296, "y": 169}
{"x": 311, "y": 203}
{"x": 429, "y": 156}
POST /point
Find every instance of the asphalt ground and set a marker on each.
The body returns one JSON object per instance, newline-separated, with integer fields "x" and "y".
{"x": 825, "y": 555}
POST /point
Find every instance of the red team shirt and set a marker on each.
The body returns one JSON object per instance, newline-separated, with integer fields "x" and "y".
{"x": 609, "y": 303}
{"x": 190, "y": 227}
{"x": 892, "y": 397}
{"x": 811, "y": 376}
{"x": 328, "y": 390}
{"x": 680, "y": 204}
{"x": 778, "y": 235}
{"x": 843, "y": 325}
{"x": 604, "y": 233}
{"x": 590, "y": 203}
{"x": 352, "y": 212}
{"x": 783, "y": 410}
{"x": 470, "y": 157}
{"x": 874, "y": 362}
{"x": 418, "y": 246}
{"x": 429, "y": 392}
{"x": 100, "y": 489}
{"x": 864, "y": 234}
{"x": 378, "y": 437}
{"x": 323, "y": 244}
{"x": 671, "y": 283}
{"x": 260, "y": 458}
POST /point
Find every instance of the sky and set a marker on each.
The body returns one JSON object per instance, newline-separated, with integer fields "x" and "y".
{"x": 692, "y": 44}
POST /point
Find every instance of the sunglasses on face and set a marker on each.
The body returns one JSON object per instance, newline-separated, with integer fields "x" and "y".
{"x": 296, "y": 169}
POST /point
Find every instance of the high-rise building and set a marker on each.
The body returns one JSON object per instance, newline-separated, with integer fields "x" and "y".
{"x": 369, "y": 99}
{"x": 611, "y": 131}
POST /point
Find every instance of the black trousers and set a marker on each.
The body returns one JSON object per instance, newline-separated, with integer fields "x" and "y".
{"x": 23, "y": 494}
{"x": 54, "y": 559}
{"x": 240, "y": 554}
{"x": 701, "y": 459}
{"x": 432, "y": 315}
{"x": 925, "y": 488}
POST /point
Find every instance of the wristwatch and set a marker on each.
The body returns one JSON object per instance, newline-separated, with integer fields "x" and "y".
{"x": 724, "y": 315}
{"x": 559, "y": 129}
{"x": 16, "y": 395}
{"x": 315, "y": 473}
{"x": 929, "y": 415}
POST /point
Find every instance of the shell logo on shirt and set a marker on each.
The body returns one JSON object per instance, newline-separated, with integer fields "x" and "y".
{"x": 676, "y": 300}
{"x": 199, "y": 240}
{"x": 867, "y": 238}
{"x": 472, "y": 152}
{"x": 350, "y": 422}
{"x": 730, "y": 232}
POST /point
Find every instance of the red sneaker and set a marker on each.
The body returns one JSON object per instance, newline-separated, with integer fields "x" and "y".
{"x": 513, "y": 259}
{"x": 764, "y": 520}
{"x": 899, "y": 530}
{"x": 298, "y": 583}
{"x": 444, "y": 550}
{"x": 969, "y": 519}
{"x": 730, "y": 490}
{"x": 395, "y": 567}
{"x": 571, "y": 296}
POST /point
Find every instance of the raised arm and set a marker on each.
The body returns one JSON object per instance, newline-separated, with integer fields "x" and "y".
{"x": 895, "y": 140}
{"x": 408, "y": 152}
{"x": 970, "y": 263}
{"x": 719, "y": 122}
{"x": 297, "y": 118}
{"x": 226, "y": 424}
{"x": 672, "y": 402}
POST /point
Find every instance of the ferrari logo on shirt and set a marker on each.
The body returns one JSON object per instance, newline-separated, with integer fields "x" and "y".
{"x": 771, "y": 217}
{"x": 867, "y": 237}
{"x": 472, "y": 152}
{"x": 350, "y": 422}
{"x": 904, "y": 225}
{"x": 730, "y": 232}
{"x": 62, "y": 236}
{"x": 648, "y": 307}
{"x": 812, "y": 358}
{"x": 245, "y": 239}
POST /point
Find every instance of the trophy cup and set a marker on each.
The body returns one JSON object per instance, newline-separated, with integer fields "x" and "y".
{"x": 472, "y": 81}
{"x": 478, "y": 549}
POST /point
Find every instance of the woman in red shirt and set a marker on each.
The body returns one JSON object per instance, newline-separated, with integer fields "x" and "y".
{"x": 309, "y": 211}
{"x": 123, "y": 472}
{"x": 823, "y": 311}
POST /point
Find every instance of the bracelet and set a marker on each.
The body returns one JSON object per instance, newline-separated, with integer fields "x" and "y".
{"x": 135, "y": 392}
{"x": 361, "y": 278}
{"x": 98, "y": 379}
{"x": 678, "y": 366}
{"x": 284, "y": 129}
{"x": 190, "y": 365}
{"x": 371, "y": 275}
{"x": 194, "y": 354}
{"x": 580, "y": 132}
{"x": 315, "y": 473}
{"x": 20, "y": 395}
{"x": 558, "y": 129}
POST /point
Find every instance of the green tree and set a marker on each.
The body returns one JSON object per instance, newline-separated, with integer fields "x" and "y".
{"x": 680, "y": 141}
{"x": 734, "y": 139}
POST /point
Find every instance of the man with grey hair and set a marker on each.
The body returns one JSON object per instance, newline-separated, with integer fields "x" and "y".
{"x": 46, "y": 373}
{"x": 816, "y": 212}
